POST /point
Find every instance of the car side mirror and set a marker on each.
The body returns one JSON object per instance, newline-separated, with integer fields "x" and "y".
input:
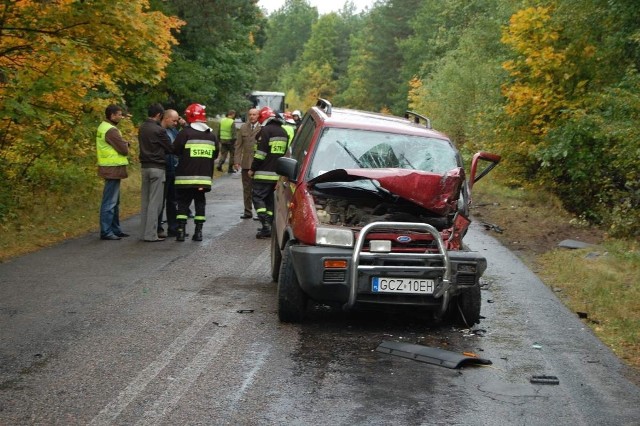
{"x": 287, "y": 167}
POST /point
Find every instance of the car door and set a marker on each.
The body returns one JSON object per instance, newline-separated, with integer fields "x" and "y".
{"x": 284, "y": 189}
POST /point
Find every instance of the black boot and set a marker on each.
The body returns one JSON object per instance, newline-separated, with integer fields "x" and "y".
{"x": 265, "y": 230}
{"x": 180, "y": 232}
{"x": 197, "y": 234}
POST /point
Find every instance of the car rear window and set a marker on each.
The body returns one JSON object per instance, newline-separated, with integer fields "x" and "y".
{"x": 352, "y": 149}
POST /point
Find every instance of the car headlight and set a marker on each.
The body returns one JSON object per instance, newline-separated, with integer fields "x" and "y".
{"x": 334, "y": 237}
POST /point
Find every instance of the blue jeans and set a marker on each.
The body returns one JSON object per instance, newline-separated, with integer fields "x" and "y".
{"x": 110, "y": 208}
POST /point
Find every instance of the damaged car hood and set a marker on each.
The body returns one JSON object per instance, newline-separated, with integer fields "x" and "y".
{"x": 433, "y": 191}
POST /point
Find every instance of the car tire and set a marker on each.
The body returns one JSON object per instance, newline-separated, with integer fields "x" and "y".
{"x": 276, "y": 257}
{"x": 292, "y": 301}
{"x": 465, "y": 308}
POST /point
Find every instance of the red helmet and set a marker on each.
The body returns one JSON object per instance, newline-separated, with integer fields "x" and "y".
{"x": 195, "y": 113}
{"x": 264, "y": 114}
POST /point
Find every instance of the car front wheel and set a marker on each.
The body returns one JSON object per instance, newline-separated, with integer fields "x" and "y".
{"x": 276, "y": 257}
{"x": 465, "y": 308}
{"x": 292, "y": 301}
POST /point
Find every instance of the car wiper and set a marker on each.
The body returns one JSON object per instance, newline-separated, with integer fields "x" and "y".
{"x": 353, "y": 157}
{"x": 406, "y": 160}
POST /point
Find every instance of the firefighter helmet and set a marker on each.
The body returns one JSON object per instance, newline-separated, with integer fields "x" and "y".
{"x": 264, "y": 114}
{"x": 195, "y": 113}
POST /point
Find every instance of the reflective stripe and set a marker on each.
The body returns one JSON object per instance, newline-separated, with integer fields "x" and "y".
{"x": 193, "y": 180}
{"x": 263, "y": 175}
{"x": 261, "y": 210}
{"x": 200, "y": 150}
{"x": 260, "y": 155}
{"x": 278, "y": 145}
{"x": 199, "y": 218}
{"x": 206, "y": 182}
{"x": 182, "y": 217}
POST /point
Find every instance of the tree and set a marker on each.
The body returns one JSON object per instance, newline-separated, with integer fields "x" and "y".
{"x": 288, "y": 30}
{"x": 61, "y": 62}
{"x": 215, "y": 61}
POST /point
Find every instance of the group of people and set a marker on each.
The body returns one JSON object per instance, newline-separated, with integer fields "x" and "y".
{"x": 177, "y": 158}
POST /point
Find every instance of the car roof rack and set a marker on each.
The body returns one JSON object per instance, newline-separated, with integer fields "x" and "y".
{"x": 325, "y": 105}
{"x": 417, "y": 117}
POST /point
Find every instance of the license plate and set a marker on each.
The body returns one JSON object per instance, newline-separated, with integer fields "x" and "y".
{"x": 402, "y": 285}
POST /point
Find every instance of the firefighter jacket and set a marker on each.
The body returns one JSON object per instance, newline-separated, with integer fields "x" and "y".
{"x": 272, "y": 144}
{"x": 197, "y": 147}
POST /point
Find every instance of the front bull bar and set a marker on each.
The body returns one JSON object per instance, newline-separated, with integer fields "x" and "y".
{"x": 442, "y": 290}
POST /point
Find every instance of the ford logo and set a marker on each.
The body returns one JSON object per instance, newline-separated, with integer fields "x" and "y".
{"x": 403, "y": 239}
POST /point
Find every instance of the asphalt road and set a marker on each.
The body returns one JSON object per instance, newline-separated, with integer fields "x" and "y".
{"x": 126, "y": 332}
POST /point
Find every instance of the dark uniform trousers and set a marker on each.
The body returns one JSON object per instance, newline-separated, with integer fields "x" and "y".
{"x": 263, "y": 198}
{"x": 185, "y": 196}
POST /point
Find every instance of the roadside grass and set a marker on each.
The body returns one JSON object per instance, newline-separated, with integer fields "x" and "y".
{"x": 53, "y": 217}
{"x": 600, "y": 282}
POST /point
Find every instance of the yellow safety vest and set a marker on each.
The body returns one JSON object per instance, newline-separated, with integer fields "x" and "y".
{"x": 107, "y": 155}
{"x": 226, "y": 126}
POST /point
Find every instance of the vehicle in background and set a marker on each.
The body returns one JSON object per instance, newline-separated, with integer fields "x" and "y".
{"x": 274, "y": 100}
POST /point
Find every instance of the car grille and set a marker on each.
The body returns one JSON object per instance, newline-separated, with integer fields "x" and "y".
{"x": 420, "y": 243}
{"x": 465, "y": 279}
{"x": 334, "y": 276}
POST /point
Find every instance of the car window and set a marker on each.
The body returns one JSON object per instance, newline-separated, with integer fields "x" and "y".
{"x": 300, "y": 144}
{"x": 353, "y": 149}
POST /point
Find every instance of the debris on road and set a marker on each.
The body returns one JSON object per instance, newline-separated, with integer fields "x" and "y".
{"x": 544, "y": 380}
{"x": 573, "y": 244}
{"x": 430, "y": 355}
{"x": 492, "y": 227}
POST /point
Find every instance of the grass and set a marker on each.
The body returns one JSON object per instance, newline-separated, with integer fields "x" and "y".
{"x": 601, "y": 282}
{"x": 53, "y": 217}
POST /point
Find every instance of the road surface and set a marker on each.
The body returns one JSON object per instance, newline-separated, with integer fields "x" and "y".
{"x": 126, "y": 332}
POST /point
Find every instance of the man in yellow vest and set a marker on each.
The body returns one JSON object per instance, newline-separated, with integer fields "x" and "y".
{"x": 112, "y": 153}
{"x": 227, "y": 140}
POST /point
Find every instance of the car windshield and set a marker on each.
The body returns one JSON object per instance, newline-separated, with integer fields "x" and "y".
{"x": 353, "y": 149}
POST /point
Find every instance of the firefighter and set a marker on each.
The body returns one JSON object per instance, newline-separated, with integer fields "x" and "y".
{"x": 289, "y": 125}
{"x": 197, "y": 148}
{"x": 272, "y": 144}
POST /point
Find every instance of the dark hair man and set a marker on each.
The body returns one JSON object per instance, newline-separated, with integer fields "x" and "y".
{"x": 112, "y": 153}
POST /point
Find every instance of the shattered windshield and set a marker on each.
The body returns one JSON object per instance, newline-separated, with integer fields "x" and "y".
{"x": 354, "y": 149}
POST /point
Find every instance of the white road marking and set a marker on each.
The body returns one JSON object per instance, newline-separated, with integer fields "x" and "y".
{"x": 190, "y": 373}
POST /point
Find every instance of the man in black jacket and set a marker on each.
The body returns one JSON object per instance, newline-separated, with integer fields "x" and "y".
{"x": 154, "y": 145}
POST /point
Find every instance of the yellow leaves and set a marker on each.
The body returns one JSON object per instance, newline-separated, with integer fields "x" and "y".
{"x": 540, "y": 71}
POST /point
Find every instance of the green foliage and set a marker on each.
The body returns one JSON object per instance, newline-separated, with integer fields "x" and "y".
{"x": 288, "y": 30}
{"x": 62, "y": 62}
{"x": 214, "y": 63}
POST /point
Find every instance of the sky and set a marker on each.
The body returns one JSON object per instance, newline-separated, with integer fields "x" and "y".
{"x": 324, "y": 6}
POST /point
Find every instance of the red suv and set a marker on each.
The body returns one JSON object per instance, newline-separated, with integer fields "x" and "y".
{"x": 371, "y": 209}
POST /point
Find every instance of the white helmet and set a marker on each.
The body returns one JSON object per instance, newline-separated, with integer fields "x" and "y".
{"x": 296, "y": 112}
